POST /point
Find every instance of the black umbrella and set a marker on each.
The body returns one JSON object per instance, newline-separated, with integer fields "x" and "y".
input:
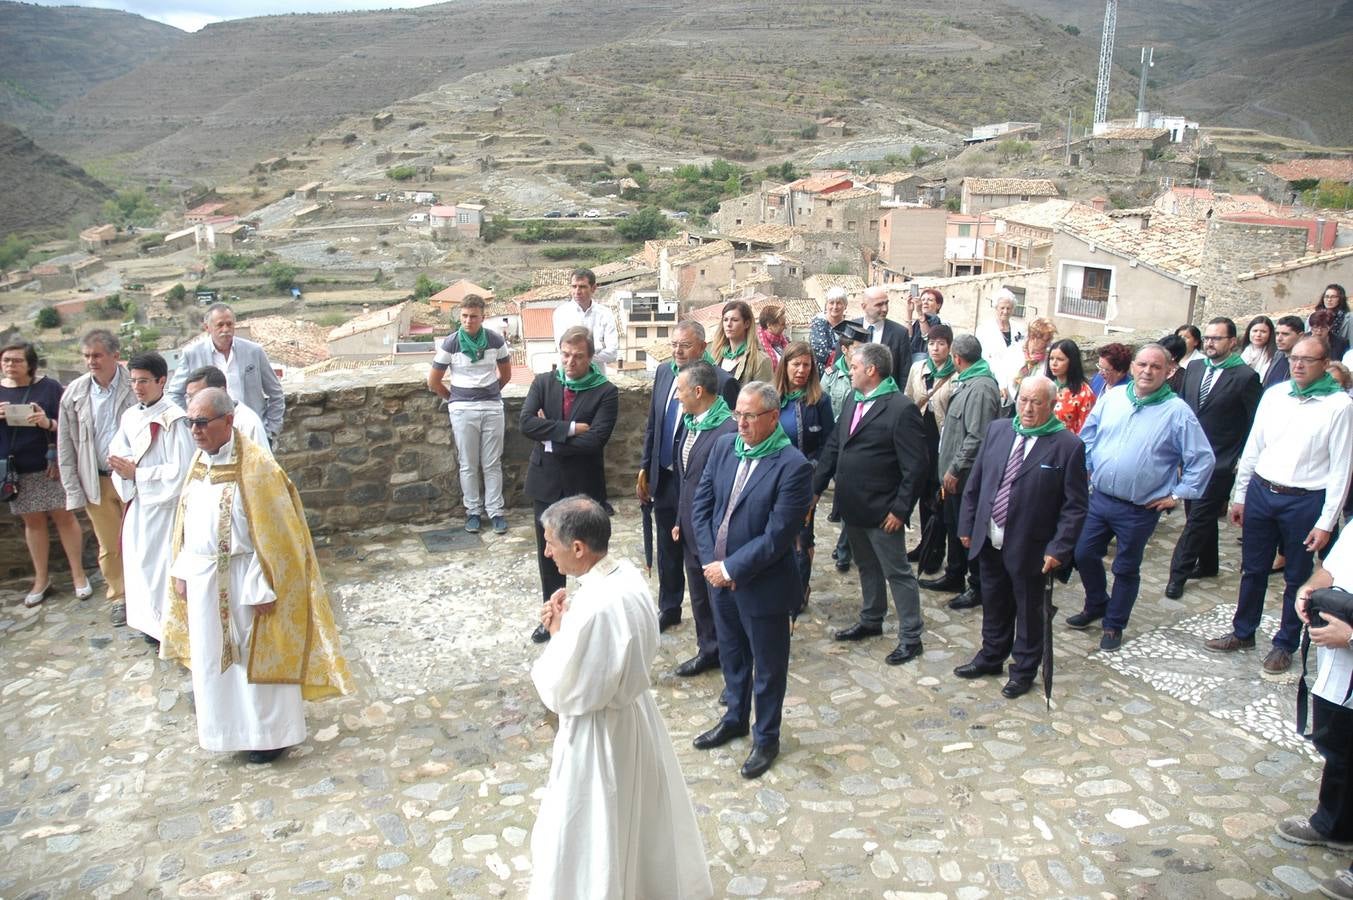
{"x": 647, "y": 509}
{"x": 1048, "y": 612}
{"x": 934, "y": 538}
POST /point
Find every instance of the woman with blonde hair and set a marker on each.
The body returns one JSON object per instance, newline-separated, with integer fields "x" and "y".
{"x": 771, "y": 332}
{"x": 736, "y": 349}
{"x": 1041, "y": 331}
{"x": 806, "y": 417}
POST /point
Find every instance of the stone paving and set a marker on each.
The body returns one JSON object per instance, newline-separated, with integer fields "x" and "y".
{"x": 1158, "y": 772}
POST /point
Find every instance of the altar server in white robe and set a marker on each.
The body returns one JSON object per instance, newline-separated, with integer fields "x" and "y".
{"x": 248, "y": 612}
{"x": 247, "y": 421}
{"x": 616, "y": 820}
{"x": 148, "y": 458}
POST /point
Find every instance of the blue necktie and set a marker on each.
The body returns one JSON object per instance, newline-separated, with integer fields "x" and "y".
{"x": 669, "y": 423}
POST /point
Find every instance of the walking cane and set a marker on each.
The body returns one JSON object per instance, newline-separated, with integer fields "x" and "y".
{"x": 1048, "y": 612}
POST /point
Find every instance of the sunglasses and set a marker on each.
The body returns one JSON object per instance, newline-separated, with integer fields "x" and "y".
{"x": 203, "y": 423}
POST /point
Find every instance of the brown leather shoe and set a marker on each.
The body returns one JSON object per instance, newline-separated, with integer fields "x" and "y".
{"x": 1278, "y": 661}
{"x": 1228, "y": 644}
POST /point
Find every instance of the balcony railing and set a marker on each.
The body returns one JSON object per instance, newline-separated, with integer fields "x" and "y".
{"x": 1071, "y": 303}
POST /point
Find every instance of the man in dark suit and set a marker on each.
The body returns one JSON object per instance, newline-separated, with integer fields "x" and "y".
{"x": 569, "y": 413}
{"x": 753, "y": 498}
{"x": 878, "y": 447}
{"x": 883, "y": 330}
{"x": 1023, "y": 509}
{"x": 1286, "y": 332}
{"x": 1223, "y": 393}
{"x": 656, "y": 482}
{"x": 706, "y": 417}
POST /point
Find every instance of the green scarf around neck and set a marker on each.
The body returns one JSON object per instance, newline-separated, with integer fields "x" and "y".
{"x": 777, "y": 441}
{"x": 1161, "y": 394}
{"x": 1229, "y": 362}
{"x": 842, "y": 364}
{"x": 977, "y": 370}
{"x": 705, "y": 357}
{"x": 1051, "y": 426}
{"x": 791, "y": 397}
{"x": 886, "y": 386}
{"x": 1322, "y": 386}
{"x": 594, "y": 378}
{"x": 730, "y": 353}
{"x": 715, "y": 416}
{"x": 943, "y": 371}
{"x": 473, "y": 347}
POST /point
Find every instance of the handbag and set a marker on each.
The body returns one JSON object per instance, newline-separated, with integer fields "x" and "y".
{"x": 934, "y": 541}
{"x": 9, "y": 479}
{"x": 1336, "y": 602}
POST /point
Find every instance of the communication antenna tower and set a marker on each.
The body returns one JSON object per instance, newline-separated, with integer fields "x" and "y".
{"x": 1148, "y": 62}
{"x": 1105, "y": 64}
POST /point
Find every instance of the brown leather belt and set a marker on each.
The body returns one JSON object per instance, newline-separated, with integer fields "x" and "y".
{"x": 1282, "y": 488}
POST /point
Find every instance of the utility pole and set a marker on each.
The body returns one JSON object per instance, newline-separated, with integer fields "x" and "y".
{"x": 1068, "y": 138}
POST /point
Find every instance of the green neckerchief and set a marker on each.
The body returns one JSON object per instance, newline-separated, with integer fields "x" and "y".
{"x": 943, "y": 371}
{"x": 791, "y": 397}
{"x": 1229, "y": 362}
{"x": 1061, "y": 385}
{"x": 593, "y": 378}
{"x": 1323, "y": 385}
{"x": 1051, "y": 426}
{"x": 777, "y": 441}
{"x": 705, "y": 357}
{"x": 977, "y": 370}
{"x": 715, "y": 416}
{"x": 842, "y": 365}
{"x": 886, "y": 386}
{"x": 473, "y": 347}
{"x": 730, "y": 353}
{"x": 1162, "y": 394}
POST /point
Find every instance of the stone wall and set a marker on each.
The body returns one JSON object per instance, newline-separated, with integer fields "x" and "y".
{"x": 1234, "y": 249}
{"x": 369, "y": 446}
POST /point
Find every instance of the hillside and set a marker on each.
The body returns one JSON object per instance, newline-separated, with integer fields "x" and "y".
{"x": 50, "y": 55}
{"x": 40, "y": 188}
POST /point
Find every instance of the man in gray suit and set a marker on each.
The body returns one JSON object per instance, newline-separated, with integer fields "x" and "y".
{"x": 249, "y": 376}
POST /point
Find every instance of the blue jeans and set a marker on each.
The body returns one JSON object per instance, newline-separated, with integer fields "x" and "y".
{"x": 1274, "y": 522}
{"x": 1132, "y": 526}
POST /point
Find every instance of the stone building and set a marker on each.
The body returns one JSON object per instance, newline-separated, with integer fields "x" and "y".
{"x": 911, "y": 241}
{"x": 984, "y": 194}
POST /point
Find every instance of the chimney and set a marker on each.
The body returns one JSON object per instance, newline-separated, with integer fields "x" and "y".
{"x": 1319, "y": 234}
{"x": 1099, "y": 203}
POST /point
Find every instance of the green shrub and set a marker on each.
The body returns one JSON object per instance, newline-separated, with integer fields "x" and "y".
{"x": 401, "y": 173}
{"x": 48, "y": 317}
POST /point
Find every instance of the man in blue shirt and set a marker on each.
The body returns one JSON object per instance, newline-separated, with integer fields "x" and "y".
{"x": 1137, "y": 441}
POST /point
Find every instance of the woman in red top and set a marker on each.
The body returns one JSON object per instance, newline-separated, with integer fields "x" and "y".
{"x": 1075, "y": 397}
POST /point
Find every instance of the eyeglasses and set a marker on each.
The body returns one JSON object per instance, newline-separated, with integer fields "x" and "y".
{"x": 203, "y": 423}
{"x": 749, "y": 418}
{"x": 1306, "y": 360}
{"x": 1212, "y": 339}
{"x": 682, "y": 345}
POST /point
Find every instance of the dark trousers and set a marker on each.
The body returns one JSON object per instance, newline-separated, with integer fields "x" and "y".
{"x": 706, "y": 635}
{"x": 1274, "y": 522}
{"x": 1012, "y": 616}
{"x": 671, "y": 563}
{"x": 1132, "y": 526}
{"x": 1197, "y": 546}
{"x": 803, "y": 550}
{"x": 958, "y": 565}
{"x": 754, "y": 656}
{"x": 551, "y": 579}
{"x": 1332, "y": 734}
{"x": 842, "y": 554}
{"x": 882, "y": 558}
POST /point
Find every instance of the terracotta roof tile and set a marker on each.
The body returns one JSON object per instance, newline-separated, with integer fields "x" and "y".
{"x": 1031, "y": 187}
{"x": 1304, "y": 169}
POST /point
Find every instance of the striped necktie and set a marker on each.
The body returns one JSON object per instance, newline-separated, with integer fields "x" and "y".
{"x": 1000, "y": 507}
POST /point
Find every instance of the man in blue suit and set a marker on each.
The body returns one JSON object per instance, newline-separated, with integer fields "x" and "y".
{"x": 753, "y": 498}
{"x": 1022, "y": 512}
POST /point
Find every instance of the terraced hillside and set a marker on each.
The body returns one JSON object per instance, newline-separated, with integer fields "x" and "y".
{"x": 41, "y": 189}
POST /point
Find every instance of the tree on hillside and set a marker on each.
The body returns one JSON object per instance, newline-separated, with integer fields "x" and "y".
{"x": 425, "y": 287}
{"x": 281, "y": 276}
{"x": 131, "y": 207}
{"x": 645, "y": 225}
{"x": 48, "y": 317}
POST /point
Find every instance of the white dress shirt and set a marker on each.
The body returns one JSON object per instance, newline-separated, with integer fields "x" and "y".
{"x": 230, "y": 365}
{"x": 597, "y": 319}
{"x": 1334, "y": 667}
{"x": 107, "y": 417}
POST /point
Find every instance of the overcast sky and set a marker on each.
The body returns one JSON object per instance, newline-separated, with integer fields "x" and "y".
{"x": 190, "y": 15}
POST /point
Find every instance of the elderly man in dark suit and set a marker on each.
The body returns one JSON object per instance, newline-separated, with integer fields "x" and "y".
{"x": 1223, "y": 393}
{"x": 569, "y": 413}
{"x": 1022, "y": 510}
{"x": 656, "y": 482}
{"x": 753, "y": 497}
{"x": 879, "y": 329}
{"x": 706, "y": 417}
{"x": 878, "y": 448}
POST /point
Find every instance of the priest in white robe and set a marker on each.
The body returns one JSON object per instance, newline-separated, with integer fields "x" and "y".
{"x": 616, "y": 820}
{"x": 247, "y": 421}
{"x": 148, "y": 458}
{"x": 248, "y": 612}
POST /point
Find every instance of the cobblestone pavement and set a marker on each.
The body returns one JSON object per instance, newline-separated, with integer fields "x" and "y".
{"x": 1159, "y": 771}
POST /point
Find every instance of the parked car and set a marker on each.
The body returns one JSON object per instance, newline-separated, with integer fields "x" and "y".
{"x": 572, "y": 214}
{"x": 553, "y": 214}
{"x": 592, "y": 214}
{"x": 622, "y": 215}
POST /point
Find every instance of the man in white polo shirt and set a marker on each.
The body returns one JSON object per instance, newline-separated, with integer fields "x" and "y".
{"x": 480, "y": 365}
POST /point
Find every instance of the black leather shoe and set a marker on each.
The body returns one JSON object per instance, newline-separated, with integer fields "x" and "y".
{"x": 1017, "y": 687}
{"x": 843, "y": 565}
{"x": 1174, "y": 589}
{"x": 1199, "y": 573}
{"x": 903, "y": 653}
{"x": 259, "y": 757}
{"x": 719, "y": 735}
{"x": 858, "y": 632}
{"x": 701, "y": 662}
{"x": 914, "y": 555}
{"x": 966, "y": 600}
{"x": 1083, "y": 619}
{"x": 668, "y": 618}
{"x": 759, "y": 760}
{"x": 541, "y": 634}
{"x": 943, "y": 583}
{"x": 977, "y": 669}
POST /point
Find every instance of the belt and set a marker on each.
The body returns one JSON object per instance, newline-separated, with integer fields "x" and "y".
{"x": 105, "y": 473}
{"x": 1284, "y": 489}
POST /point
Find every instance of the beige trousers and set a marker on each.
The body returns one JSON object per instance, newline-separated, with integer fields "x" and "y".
{"x": 106, "y": 517}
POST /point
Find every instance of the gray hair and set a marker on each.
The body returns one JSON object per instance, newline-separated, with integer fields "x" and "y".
{"x": 876, "y": 355}
{"x": 691, "y": 327}
{"x": 579, "y": 518}
{"x": 217, "y": 401}
{"x": 967, "y": 348}
{"x": 1159, "y": 348}
{"x": 215, "y": 308}
{"x": 701, "y": 374}
{"x": 763, "y": 391}
{"x": 101, "y": 336}
{"x": 1043, "y": 383}
{"x": 579, "y": 334}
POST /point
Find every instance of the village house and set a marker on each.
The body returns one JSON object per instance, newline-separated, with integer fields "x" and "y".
{"x": 965, "y": 240}
{"x": 96, "y": 238}
{"x": 772, "y": 273}
{"x": 894, "y": 187}
{"x": 1204, "y": 203}
{"x": 537, "y": 334}
{"x": 816, "y": 288}
{"x": 449, "y": 298}
{"x": 203, "y": 212}
{"x": 1283, "y": 181}
{"x": 1023, "y": 235}
{"x": 693, "y": 275}
{"x": 985, "y": 194}
{"x": 371, "y": 334}
{"x": 911, "y": 241}
{"x": 1003, "y": 130}
{"x": 643, "y": 318}
{"x": 289, "y": 343}
{"x": 307, "y": 191}
{"x": 831, "y": 126}
{"x": 1122, "y": 151}
{"x": 1297, "y": 281}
